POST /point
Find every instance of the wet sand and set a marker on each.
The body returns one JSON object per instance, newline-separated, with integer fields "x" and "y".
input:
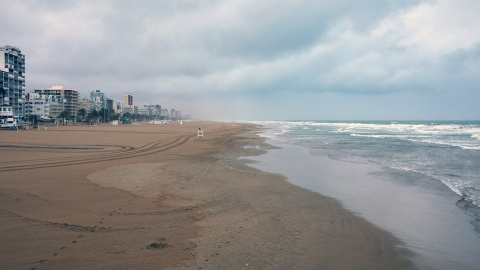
{"x": 157, "y": 197}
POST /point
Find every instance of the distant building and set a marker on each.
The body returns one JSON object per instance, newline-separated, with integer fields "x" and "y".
{"x": 158, "y": 110}
{"x": 98, "y": 99}
{"x": 154, "y": 110}
{"x": 109, "y": 104}
{"x": 12, "y": 78}
{"x": 117, "y": 107}
{"x": 70, "y": 97}
{"x": 128, "y": 110}
{"x": 38, "y": 105}
{"x": 128, "y": 100}
{"x": 86, "y": 104}
{"x": 52, "y": 106}
{"x": 175, "y": 115}
{"x": 164, "y": 114}
{"x": 145, "y": 111}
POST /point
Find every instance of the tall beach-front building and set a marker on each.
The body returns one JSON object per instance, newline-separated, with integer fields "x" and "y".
{"x": 69, "y": 96}
{"x": 128, "y": 106}
{"x": 12, "y": 79}
{"x": 128, "y": 98}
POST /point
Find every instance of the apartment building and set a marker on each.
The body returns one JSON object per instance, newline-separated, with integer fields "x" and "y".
{"x": 98, "y": 99}
{"x": 12, "y": 79}
{"x": 69, "y": 95}
{"x": 175, "y": 115}
{"x": 128, "y": 101}
{"x": 38, "y": 105}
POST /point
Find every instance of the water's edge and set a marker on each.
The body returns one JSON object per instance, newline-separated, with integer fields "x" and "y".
{"x": 296, "y": 165}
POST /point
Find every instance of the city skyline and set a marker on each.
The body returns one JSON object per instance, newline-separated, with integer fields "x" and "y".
{"x": 244, "y": 60}
{"x": 56, "y": 101}
{"x": 96, "y": 101}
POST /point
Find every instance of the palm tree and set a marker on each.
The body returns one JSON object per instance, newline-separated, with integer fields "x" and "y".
{"x": 104, "y": 114}
{"x": 34, "y": 119}
{"x": 82, "y": 112}
{"x": 64, "y": 115}
{"x": 94, "y": 115}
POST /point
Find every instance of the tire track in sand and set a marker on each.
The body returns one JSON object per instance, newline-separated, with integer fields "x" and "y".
{"x": 147, "y": 149}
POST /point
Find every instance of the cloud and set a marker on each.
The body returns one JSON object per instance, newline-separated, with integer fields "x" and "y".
{"x": 249, "y": 52}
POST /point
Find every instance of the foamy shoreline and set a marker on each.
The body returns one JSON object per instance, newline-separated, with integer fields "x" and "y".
{"x": 418, "y": 209}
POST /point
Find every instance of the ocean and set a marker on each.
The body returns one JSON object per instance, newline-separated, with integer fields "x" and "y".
{"x": 419, "y": 180}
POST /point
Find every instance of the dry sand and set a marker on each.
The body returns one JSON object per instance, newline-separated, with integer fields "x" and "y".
{"x": 157, "y": 197}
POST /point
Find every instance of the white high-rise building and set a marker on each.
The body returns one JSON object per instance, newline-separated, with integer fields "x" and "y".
{"x": 12, "y": 79}
{"x": 38, "y": 105}
{"x": 69, "y": 96}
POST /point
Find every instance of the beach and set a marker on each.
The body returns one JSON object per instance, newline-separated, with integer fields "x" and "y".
{"x": 158, "y": 197}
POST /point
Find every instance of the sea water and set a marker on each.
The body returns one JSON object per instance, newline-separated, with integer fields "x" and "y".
{"x": 419, "y": 180}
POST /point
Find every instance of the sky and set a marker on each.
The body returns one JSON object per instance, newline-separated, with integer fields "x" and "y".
{"x": 259, "y": 60}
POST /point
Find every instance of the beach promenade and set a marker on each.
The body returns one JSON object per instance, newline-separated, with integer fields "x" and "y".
{"x": 158, "y": 197}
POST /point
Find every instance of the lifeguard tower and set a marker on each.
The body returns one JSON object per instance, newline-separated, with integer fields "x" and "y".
{"x": 200, "y": 133}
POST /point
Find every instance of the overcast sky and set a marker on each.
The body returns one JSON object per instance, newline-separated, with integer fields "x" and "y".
{"x": 259, "y": 60}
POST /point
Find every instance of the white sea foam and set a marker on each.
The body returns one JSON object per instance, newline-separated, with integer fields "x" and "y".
{"x": 430, "y": 133}
{"x": 399, "y": 128}
{"x": 461, "y": 144}
{"x": 381, "y": 136}
{"x": 446, "y": 152}
{"x": 402, "y": 168}
{"x": 455, "y": 186}
{"x": 464, "y": 188}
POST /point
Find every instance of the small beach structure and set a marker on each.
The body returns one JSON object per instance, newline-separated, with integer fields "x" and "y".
{"x": 200, "y": 133}
{"x": 7, "y": 120}
{"x": 160, "y": 122}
